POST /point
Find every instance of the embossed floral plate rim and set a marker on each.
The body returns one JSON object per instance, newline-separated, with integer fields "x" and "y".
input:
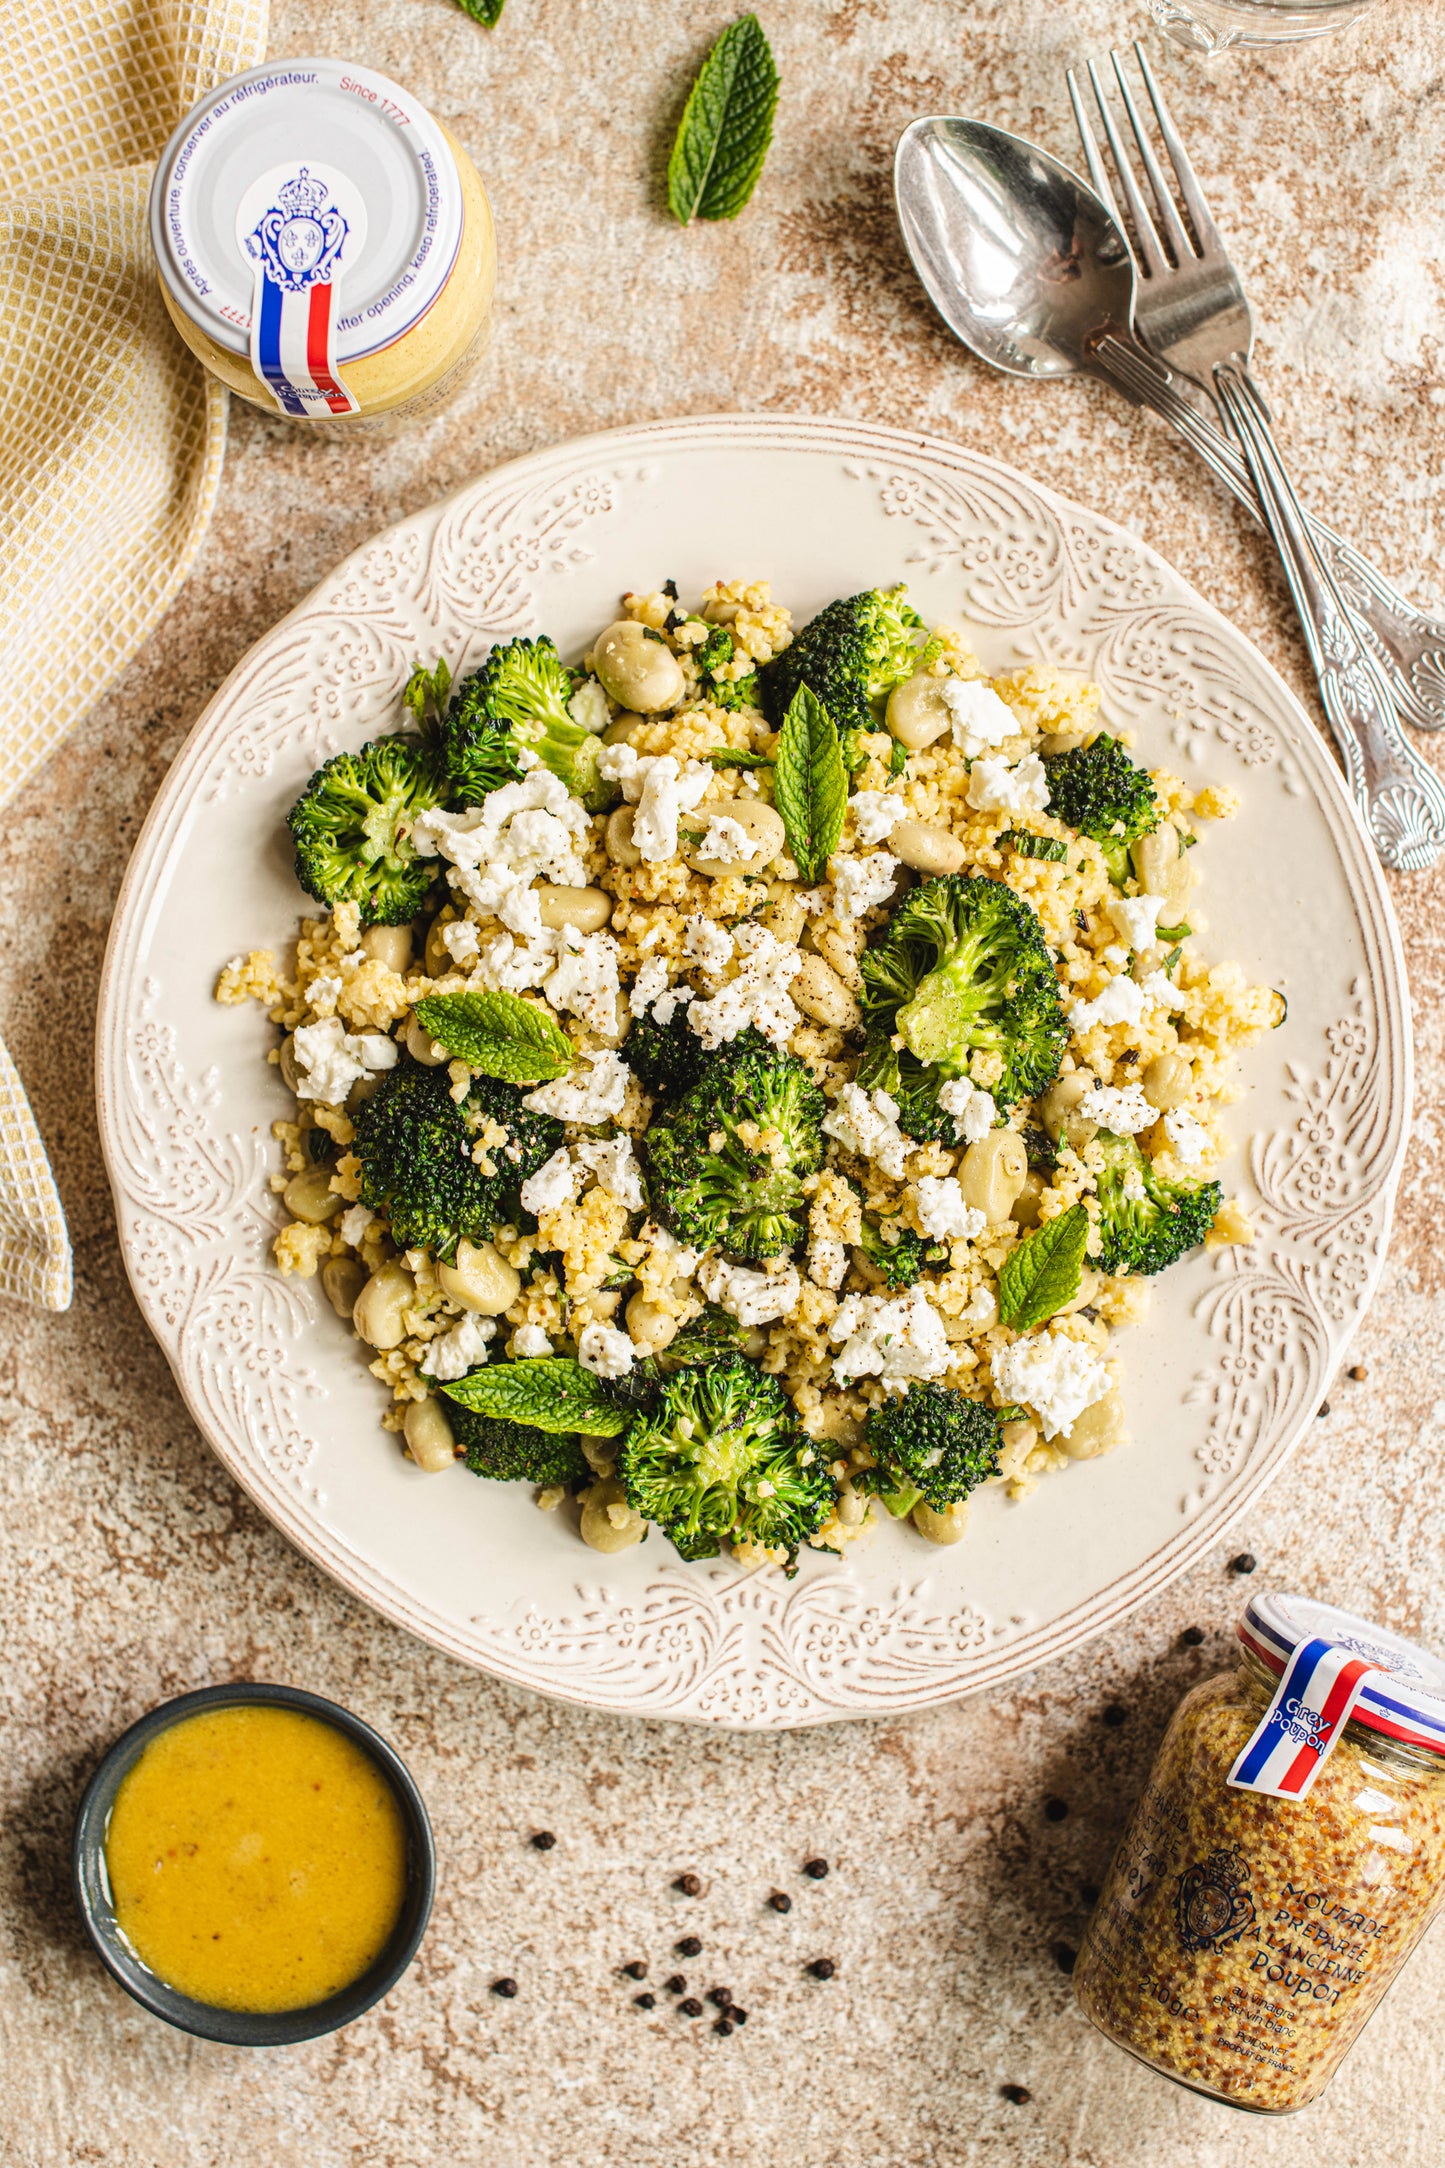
{"x": 896, "y": 1625}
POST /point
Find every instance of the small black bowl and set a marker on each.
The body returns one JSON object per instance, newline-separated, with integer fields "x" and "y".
{"x": 248, "y": 2028}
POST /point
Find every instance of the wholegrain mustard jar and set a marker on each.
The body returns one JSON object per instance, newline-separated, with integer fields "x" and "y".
{"x": 324, "y": 246}
{"x": 1287, "y": 1854}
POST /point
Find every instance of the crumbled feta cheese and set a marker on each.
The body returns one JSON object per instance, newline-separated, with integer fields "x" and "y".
{"x": 460, "y": 1350}
{"x": 651, "y": 981}
{"x": 605, "y": 1351}
{"x": 1114, "y": 957}
{"x": 758, "y": 995}
{"x": 612, "y": 1161}
{"x": 556, "y": 1182}
{"x": 828, "y": 1262}
{"x": 942, "y": 1213}
{"x": 727, "y": 843}
{"x": 995, "y": 787}
{"x": 329, "y": 1060}
{"x": 588, "y": 707}
{"x": 353, "y": 1224}
{"x": 622, "y": 764}
{"x": 1055, "y": 1376}
{"x": 1160, "y": 992}
{"x": 462, "y": 942}
{"x": 665, "y": 1008}
{"x": 521, "y": 832}
{"x": 980, "y": 719}
{"x": 753, "y": 1298}
{"x": 894, "y": 1338}
{"x": 973, "y": 1112}
{"x": 1121, "y": 1002}
{"x": 1136, "y": 918}
{"x": 1133, "y": 1188}
{"x": 861, "y": 884}
{"x": 529, "y": 1342}
{"x": 876, "y": 813}
{"x": 588, "y": 1099}
{"x": 585, "y": 982}
{"x": 323, "y": 993}
{"x": 1120, "y": 1108}
{"x": 707, "y": 943}
{"x": 667, "y": 792}
{"x": 511, "y": 967}
{"x": 1188, "y": 1137}
{"x": 869, "y": 1126}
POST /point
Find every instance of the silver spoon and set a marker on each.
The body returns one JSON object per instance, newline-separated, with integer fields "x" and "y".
{"x": 1028, "y": 269}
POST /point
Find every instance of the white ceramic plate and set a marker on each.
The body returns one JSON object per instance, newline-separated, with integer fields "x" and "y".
{"x": 1239, "y": 1348}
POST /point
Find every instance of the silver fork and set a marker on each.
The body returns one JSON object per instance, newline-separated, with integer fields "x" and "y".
{"x": 1191, "y": 311}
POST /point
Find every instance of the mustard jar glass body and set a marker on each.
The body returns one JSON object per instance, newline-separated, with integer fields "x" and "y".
{"x": 324, "y": 246}
{"x": 1286, "y": 1855}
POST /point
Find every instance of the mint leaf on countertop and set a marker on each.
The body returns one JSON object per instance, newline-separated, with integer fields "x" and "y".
{"x": 549, "y": 1392}
{"x": 1045, "y": 1271}
{"x": 810, "y": 788}
{"x": 498, "y": 1035}
{"x": 483, "y": 11}
{"x": 726, "y": 127}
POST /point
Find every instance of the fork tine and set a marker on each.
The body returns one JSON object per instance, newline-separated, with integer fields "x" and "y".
{"x": 1148, "y": 247}
{"x": 1098, "y": 171}
{"x": 1206, "y": 233}
{"x": 1180, "y": 245}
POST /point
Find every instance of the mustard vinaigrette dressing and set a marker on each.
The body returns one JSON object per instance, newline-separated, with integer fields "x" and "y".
{"x": 256, "y": 1859}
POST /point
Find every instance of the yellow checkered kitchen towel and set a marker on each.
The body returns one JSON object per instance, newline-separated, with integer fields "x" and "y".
{"x": 111, "y": 434}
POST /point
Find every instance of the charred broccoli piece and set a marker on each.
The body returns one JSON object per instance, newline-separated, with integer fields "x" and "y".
{"x": 668, "y": 1059}
{"x": 514, "y": 1452}
{"x": 519, "y": 700}
{"x": 1097, "y": 790}
{"x": 724, "y": 692}
{"x": 415, "y": 1146}
{"x": 710, "y": 1184}
{"x": 902, "y": 1259}
{"x": 932, "y": 1448}
{"x": 1147, "y": 1223}
{"x": 851, "y": 655}
{"x": 352, "y": 828}
{"x": 963, "y": 969}
{"x": 722, "y": 1456}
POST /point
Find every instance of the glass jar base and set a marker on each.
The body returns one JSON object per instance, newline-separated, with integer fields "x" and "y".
{"x": 1189, "y": 2085}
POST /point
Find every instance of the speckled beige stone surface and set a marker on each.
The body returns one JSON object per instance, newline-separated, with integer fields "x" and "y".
{"x": 132, "y": 1568}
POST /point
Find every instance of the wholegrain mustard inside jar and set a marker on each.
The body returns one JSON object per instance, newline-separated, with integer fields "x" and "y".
{"x": 324, "y": 246}
{"x": 1287, "y": 1854}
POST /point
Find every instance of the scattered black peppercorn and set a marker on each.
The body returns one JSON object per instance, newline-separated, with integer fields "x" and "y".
{"x": 1245, "y": 1563}
{"x": 504, "y": 1987}
{"x": 721, "y": 2025}
{"x": 676, "y": 1985}
{"x": 1128, "y": 1058}
{"x": 1056, "y": 1810}
{"x": 689, "y": 1884}
{"x": 543, "y": 1841}
{"x": 781, "y": 1901}
{"x": 1065, "y": 1957}
{"x": 1018, "y": 2094}
{"x": 815, "y": 1869}
{"x": 690, "y": 2006}
{"x": 645, "y": 2002}
{"x": 1192, "y": 1636}
{"x": 722, "y": 1996}
{"x": 1089, "y": 1893}
{"x": 1322, "y": 1409}
{"x": 822, "y": 1968}
{"x": 1115, "y": 1715}
{"x": 689, "y": 1946}
{"x": 1359, "y": 1373}
{"x": 739, "y": 2017}
{"x": 636, "y": 1970}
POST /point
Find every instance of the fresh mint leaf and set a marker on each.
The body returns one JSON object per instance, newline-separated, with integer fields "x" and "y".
{"x": 726, "y": 127}
{"x": 551, "y": 1392}
{"x": 1031, "y": 846}
{"x": 498, "y": 1035}
{"x": 1044, "y": 1272}
{"x": 483, "y": 11}
{"x": 810, "y": 787}
{"x": 725, "y": 757}
{"x": 898, "y": 758}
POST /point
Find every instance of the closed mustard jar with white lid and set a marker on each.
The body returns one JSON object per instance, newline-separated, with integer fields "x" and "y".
{"x": 324, "y": 245}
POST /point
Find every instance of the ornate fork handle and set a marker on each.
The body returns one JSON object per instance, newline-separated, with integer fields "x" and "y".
{"x": 1408, "y": 646}
{"x": 1400, "y": 798}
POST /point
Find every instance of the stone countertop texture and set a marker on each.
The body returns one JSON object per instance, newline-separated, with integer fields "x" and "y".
{"x": 133, "y": 1569}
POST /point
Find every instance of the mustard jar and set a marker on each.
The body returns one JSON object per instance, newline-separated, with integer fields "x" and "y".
{"x": 1285, "y": 1857}
{"x": 324, "y": 246}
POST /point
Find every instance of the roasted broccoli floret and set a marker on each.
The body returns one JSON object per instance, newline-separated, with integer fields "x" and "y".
{"x": 726, "y": 1163}
{"x": 352, "y": 828}
{"x": 963, "y": 969}
{"x": 724, "y": 692}
{"x": 1147, "y": 1223}
{"x": 415, "y": 1145}
{"x": 1098, "y": 790}
{"x": 723, "y": 1456}
{"x": 519, "y": 699}
{"x": 514, "y": 1452}
{"x": 932, "y": 1447}
{"x": 851, "y": 655}
{"x": 901, "y": 1260}
{"x": 668, "y": 1059}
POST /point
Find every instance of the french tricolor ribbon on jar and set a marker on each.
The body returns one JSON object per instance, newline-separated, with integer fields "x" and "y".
{"x": 297, "y": 248}
{"x": 1313, "y": 1702}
